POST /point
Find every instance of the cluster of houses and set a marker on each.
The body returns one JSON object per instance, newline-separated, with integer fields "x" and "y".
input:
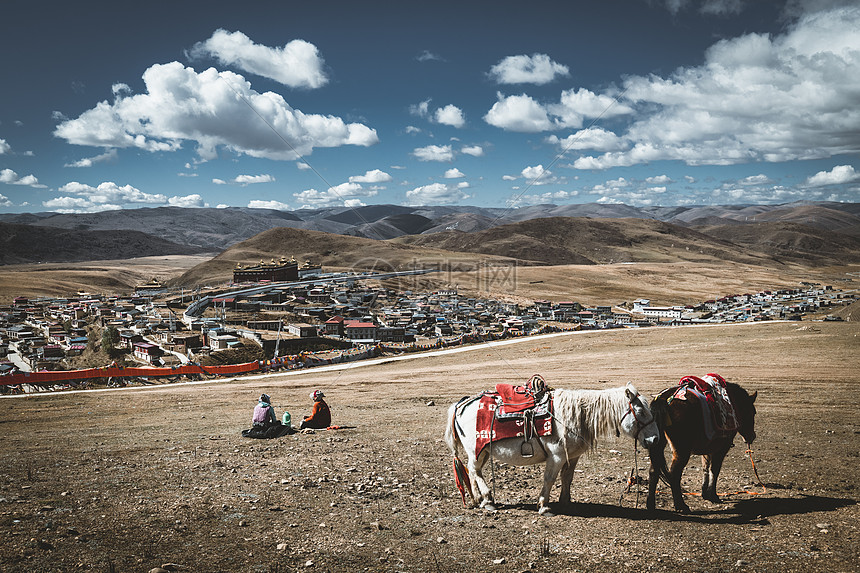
{"x": 39, "y": 334}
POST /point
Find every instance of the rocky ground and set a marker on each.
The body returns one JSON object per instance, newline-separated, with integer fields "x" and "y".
{"x": 137, "y": 479}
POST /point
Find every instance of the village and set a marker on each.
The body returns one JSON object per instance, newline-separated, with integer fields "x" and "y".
{"x": 289, "y": 316}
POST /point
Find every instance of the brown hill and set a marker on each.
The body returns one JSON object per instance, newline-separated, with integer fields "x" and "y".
{"x": 577, "y": 240}
{"x": 791, "y": 241}
{"x": 329, "y": 250}
{"x": 32, "y": 244}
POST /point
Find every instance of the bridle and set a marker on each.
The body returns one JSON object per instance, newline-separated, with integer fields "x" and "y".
{"x": 640, "y": 425}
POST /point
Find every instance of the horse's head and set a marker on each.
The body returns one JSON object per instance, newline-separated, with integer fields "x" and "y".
{"x": 744, "y": 405}
{"x": 638, "y": 421}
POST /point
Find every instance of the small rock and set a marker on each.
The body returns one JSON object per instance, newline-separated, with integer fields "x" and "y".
{"x": 172, "y": 566}
{"x": 822, "y": 525}
{"x": 282, "y": 547}
{"x": 431, "y": 403}
{"x": 441, "y": 540}
{"x": 500, "y": 561}
{"x": 309, "y": 563}
{"x": 158, "y": 570}
{"x": 243, "y": 523}
{"x": 741, "y": 563}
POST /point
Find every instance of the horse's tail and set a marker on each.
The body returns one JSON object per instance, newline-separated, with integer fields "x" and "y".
{"x": 452, "y": 439}
{"x": 660, "y": 411}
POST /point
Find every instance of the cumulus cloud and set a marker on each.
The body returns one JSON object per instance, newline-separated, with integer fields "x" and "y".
{"x": 11, "y": 178}
{"x": 595, "y": 138}
{"x": 525, "y": 114}
{"x": 193, "y": 200}
{"x": 4, "y": 201}
{"x": 454, "y": 173}
{"x": 110, "y": 193}
{"x": 436, "y": 194}
{"x": 260, "y": 204}
{"x": 658, "y": 180}
{"x": 836, "y": 176}
{"x": 473, "y": 150}
{"x": 209, "y": 108}
{"x": 434, "y": 153}
{"x": 4, "y": 147}
{"x": 428, "y": 56}
{"x": 450, "y": 115}
{"x": 759, "y": 179}
{"x": 78, "y": 205}
{"x": 372, "y": 176}
{"x": 298, "y": 64}
{"x": 536, "y": 69}
{"x": 420, "y": 109}
{"x": 349, "y": 194}
{"x": 714, "y": 113}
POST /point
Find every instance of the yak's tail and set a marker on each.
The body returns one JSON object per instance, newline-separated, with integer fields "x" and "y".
{"x": 660, "y": 411}
{"x": 452, "y": 439}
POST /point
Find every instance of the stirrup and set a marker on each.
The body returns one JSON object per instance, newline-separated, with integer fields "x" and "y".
{"x": 527, "y": 450}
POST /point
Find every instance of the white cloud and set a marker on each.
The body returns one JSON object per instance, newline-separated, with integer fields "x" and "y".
{"x": 346, "y": 194}
{"x": 838, "y": 175}
{"x": 760, "y": 179}
{"x": 4, "y": 201}
{"x": 420, "y": 109}
{"x": 259, "y": 204}
{"x": 193, "y": 200}
{"x": 372, "y": 176}
{"x": 245, "y": 180}
{"x": 412, "y": 130}
{"x": 509, "y": 177}
{"x": 595, "y": 138}
{"x": 298, "y": 64}
{"x": 4, "y": 147}
{"x": 535, "y": 69}
{"x": 454, "y": 173}
{"x": 109, "y": 155}
{"x": 217, "y": 181}
{"x": 222, "y": 206}
{"x": 302, "y": 166}
{"x": 518, "y": 113}
{"x": 473, "y": 150}
{"x": 113, "y": 194}
{"x": 537, "y": 175}
{"x": 659, "y": 180}
{"x": 689, "y": 179}
{"x": 450, "y": 115}
{"x": 209, "y": 109}
{"x": 435, "y": 194}
{"x": 714, "y": 113}
{"x": 548, "y": 197}
{"x": 78, "y": 205}
{"x": 434, "y": 153}
{"x": 11, "y": 178}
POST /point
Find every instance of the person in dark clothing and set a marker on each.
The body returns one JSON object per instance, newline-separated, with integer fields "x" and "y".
{"x": 264, "y": 423}
{"x": 320, "y": 417}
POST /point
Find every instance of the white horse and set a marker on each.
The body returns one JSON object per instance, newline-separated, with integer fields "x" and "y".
{"x": 580, "y": 418}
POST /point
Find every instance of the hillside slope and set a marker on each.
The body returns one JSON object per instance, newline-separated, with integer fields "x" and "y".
{"x": 33, "y": 244}
{"x": 575, "y": 240}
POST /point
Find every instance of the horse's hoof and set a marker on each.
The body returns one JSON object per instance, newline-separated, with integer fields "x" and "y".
{"x": 489, "y": 507}
{"x": 683, "y": 509}
{"x": 544, "y": 511}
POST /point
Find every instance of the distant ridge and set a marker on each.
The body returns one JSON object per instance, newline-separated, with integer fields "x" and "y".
{"x": 217, "y": 229}
{"x": 32, "y": 244}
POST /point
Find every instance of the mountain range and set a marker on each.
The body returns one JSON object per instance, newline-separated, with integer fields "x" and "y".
{"x": 805, "y": 232}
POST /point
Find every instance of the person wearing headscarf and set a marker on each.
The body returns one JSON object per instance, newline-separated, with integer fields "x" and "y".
{"x": 320, "y": 417}
{"x": 264, "y": 413}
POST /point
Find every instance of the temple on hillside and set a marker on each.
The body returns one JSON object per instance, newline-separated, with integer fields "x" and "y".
{"x": 274, "y": 271}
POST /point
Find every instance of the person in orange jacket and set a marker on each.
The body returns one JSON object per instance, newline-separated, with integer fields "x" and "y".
{"x": 320, "y": 417}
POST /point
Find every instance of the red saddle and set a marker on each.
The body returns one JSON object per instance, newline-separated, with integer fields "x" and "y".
{"x": 513, "y": 411}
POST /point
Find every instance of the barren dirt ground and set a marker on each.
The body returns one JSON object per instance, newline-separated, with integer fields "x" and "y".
{"x": 130, "y": 480}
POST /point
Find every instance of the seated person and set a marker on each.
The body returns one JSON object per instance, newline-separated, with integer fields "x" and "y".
{"x": 264, "y": 424}
{"x": 320, "y": 417}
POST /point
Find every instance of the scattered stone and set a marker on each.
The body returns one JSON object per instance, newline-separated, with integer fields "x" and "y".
{"x": 741, "y": 563}
{"x": 431, "y": 403}
{"x": 500, "y": 561}
{"x": 172, "y": 566}
{"x": 44, "y": 545}
{"x": 282, "y": 547}
{"x": 441, "y": 540}
{"x": 822, "y": 525}
{"x": 158, "y": 570}
{"x": 243, "y": 523}
{"x": 309, "y": 563}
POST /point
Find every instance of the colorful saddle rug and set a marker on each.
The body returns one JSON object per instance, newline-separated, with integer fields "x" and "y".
{"x": 512, "y": 412}
{"x": 717, "y": 409}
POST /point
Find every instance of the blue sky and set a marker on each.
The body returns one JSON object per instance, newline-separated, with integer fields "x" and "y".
{"x": 288, "y": 105}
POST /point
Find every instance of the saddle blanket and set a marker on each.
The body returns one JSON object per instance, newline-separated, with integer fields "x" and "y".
{"x": 518, "y": 415}
{"x": 717, "y": 409}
